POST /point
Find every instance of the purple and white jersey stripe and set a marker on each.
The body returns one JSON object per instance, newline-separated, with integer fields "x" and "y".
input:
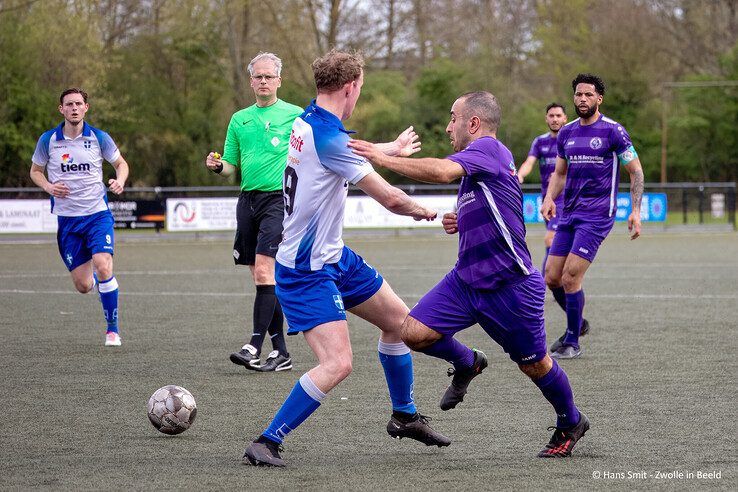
{"x": 544, "y": 149}
{"x": 592, "y": 153}
{"x": 492, "y": 248}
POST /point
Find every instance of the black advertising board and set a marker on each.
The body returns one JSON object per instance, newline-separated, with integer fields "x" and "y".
{"x": 138, "y": 214}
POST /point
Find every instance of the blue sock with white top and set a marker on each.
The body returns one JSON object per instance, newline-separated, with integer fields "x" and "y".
{"x": 398, "y": 371}
{"x": 304, "y": 399}
{"x": 109, "y": 298}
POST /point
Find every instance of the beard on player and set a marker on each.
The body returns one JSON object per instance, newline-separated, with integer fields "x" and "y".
{"x": 584, "y": 111}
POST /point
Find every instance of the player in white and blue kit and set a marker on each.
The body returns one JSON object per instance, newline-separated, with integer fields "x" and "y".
{"x": 319, "y": 278}
{"x": 72, "y": 155}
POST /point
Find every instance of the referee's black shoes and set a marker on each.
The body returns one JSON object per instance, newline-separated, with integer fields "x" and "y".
{"x": 276, "y": 362}
{"x": 247, "y": 357}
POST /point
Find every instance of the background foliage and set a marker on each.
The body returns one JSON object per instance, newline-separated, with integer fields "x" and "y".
{"x": 164, "y": 76}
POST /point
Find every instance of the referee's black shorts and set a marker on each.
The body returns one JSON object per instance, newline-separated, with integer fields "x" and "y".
{"x": 259, "y": 217}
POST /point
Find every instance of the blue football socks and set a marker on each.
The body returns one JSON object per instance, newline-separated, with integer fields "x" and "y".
{"x": 109, "y": 298}
{"x": 574, "y": 308}
{"x": 557, "y": 390}
{"x": 450, "y": 349}
{"x": 304, "y": 399}
{"x": 398, "y": 371}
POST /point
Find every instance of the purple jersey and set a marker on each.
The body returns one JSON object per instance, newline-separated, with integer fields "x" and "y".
{"x": 544, "y": 149}
{"x": 492, "y": 248}
{"x": 592, "y": 153}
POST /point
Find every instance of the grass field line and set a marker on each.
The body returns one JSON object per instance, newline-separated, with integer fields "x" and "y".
{"x": 225, "y": 271}
{"x": 408, "y": 296}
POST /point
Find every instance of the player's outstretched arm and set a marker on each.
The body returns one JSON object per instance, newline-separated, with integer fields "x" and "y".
{"x": 118, "y": 184}
{"x": 555, "y": 187}
{"x": 214, "y": 162}
{"x": 393, "y": 199}
{"x": 406, "y": 144}
{"x": 635, "y": 170}
{"x": 427, "y": 169}
{"x": 58, "y": 190}
{"x": 525, "y": 168}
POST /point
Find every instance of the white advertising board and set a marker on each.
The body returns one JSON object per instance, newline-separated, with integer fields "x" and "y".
{"x": 201, "y": 214}
{"x": 217, "y": 214}
{"x": 365, "y": 212}
{"x": 17, "y": 216}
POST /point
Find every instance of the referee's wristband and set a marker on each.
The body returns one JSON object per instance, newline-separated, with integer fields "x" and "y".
{"x": 218, "y": 169}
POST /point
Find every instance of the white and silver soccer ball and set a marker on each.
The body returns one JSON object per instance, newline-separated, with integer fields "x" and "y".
{"x": 172, "y": 409}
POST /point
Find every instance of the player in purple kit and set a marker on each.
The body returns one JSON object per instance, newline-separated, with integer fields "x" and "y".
{"x": 493, "y": 282}
{"x": 590, "y": 152}
{"x": 544, "y": 150}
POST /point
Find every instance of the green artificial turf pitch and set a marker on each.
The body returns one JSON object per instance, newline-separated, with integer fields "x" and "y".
{"x": 657, "y": 377}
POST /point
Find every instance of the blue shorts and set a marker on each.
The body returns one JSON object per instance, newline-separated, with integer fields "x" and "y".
{"x": 81, "y": 237}
{"x": 512, "y": 315}
{"x": 579, "y": 238}
{"x": 309, "y": 299}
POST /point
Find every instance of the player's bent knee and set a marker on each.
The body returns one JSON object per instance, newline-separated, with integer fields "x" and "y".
{"x": 416, "y": 335}
{"x": 340, "y": 368}
{"x": 394, "y": 324}
{"x": 104, "y": 267}
{"x": 570, "y": 280}
{"x": 538, "y": 369}
{"x": 553, "y": 281}
{"x": 263, "y": 276}
{"x": 83, "y": 287}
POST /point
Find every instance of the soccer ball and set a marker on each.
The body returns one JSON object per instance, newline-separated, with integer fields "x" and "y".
{"x": 172, "y": 409}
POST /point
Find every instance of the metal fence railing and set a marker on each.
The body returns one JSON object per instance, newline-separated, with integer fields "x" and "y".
{"x": 687, "y": 203}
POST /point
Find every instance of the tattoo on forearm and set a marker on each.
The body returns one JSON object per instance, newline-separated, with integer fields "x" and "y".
{"x": 636, "y": 188}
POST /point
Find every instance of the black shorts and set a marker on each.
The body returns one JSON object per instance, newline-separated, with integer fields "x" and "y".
{"x": 259, "y": 217}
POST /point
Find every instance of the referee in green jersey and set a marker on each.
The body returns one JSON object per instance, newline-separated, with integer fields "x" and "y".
{"x": 256, "y": 143}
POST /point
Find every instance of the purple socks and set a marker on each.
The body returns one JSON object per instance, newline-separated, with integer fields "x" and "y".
{"x": 450, "y": 349}
{"x": 557, "y": 390}
{"x": 574, "y": 308}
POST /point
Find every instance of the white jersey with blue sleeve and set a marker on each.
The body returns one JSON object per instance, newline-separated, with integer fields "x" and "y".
{"x": 319, "y": 168}
{"x": 78, "y": 164}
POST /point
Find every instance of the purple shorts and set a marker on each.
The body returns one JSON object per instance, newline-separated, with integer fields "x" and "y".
{"x": 553, "y": 224}
{"x": 512, "y": 315}
{"x": 579, "y": 238}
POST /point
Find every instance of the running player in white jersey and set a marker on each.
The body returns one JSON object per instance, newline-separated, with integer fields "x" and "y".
{"x": 72, "y": 155}
{"x": 319, "y": 278}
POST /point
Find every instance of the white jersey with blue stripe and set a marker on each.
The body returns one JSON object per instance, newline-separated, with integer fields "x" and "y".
{"x": 319, "y": 168}
{"x": 78, "y": 164}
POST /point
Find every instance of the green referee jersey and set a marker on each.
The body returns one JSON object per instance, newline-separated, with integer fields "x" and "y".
{"x": 257, "y": 141}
